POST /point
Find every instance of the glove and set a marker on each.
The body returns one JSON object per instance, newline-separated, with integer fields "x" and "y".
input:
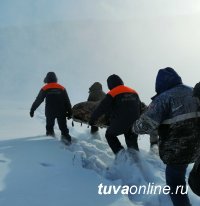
{"x": 69, "y": 115}
{"x": 31, "y": 113}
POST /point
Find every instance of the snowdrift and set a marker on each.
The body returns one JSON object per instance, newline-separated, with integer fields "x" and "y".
{"x": 38, "y": 170}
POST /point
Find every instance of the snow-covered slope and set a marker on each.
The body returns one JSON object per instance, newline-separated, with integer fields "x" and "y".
{"x": 36, "y": 170}
{"x": 84, "y": 42}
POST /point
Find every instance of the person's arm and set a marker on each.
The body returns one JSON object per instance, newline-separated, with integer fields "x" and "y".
{"x": 143, "y": 107}
{"x": 145, "y": 125}
{"x": 39, "y": 99}
{"x": 103, "y": 108}
{"x": 151, "y": 118}
{"x": 67, "y": 104}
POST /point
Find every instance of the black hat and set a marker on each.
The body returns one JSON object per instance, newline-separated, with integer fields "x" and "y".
{"x": 194, "y": 178}
{"x": 50, "y": 78}
{"x": 114, "y": 81}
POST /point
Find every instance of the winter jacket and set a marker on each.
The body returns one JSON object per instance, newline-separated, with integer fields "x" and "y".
{"x": 174, "y": 112}
{"x": 121, "y": 103}
{"x": 196, "y": 91}
{"x": 96, "y": 92}
{"x": 57, "y": 100}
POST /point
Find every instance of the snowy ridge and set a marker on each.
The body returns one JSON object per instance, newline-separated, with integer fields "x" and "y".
{"x": 93, "y": 153}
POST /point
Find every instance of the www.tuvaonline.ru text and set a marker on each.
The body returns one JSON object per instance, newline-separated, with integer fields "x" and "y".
{"x": 150, "y": 189}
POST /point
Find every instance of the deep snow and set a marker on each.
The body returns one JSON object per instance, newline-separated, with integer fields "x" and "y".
{"x": 36, "y": 170}
{"x": 84, "y": 42}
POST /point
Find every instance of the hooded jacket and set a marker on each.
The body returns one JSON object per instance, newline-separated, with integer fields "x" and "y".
{"x": 96, "y": 92}
{"x": 174, "y": 112}
{"x": 166, "y": 79}
{"x": 121, "y": 103}
{"x": 57, "y": 102}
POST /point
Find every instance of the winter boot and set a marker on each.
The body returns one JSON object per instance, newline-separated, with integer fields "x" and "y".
{"x": 50, "y": 133}
{"x": 94, "y": 129}
{"x": 131, "y": 140}
{"x": 154, "y": 143}
{"x": 154, "y": 148}
{"x": 66, "y": 139}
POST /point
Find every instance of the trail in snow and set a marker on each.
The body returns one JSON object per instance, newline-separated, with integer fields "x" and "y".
{"x": 31, "y": 165}
{"x": 92, "y": 152}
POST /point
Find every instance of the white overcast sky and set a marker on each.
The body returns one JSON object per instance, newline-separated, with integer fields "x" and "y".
{"x": 19, "y": 12}
{"x": 133, "y": 38}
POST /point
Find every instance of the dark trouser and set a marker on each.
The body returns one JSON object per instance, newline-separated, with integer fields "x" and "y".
{"x": 154, "y": 137}
{"x": 62, "y": 123}
{"x": 94, "y": 129}
{"x": 114, "y": 143}
{"x": 175, "y": 176}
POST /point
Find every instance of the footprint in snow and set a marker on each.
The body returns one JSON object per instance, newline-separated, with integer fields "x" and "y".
{"x": 3, "y": 161}
{"x": 45, "y": 164}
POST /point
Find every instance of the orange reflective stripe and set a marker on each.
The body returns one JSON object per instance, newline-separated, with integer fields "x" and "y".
{"x": 52, "y": 86}
{"x": 121, "y": 89}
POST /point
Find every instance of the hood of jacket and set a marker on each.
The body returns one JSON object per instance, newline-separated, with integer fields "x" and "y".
{"x": 50, "y": 78}
{"x": 167, "y": 78}
{"x": 96, "y": 87}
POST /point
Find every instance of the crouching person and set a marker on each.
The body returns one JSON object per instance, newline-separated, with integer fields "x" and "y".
{"x": 173, "y": 113}
{"x": 57, "y": 106}
{"x": 123, "y": 105}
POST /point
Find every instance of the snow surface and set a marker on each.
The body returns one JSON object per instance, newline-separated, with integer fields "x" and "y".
{"x": 90, "y": 42}
{"x": 36, "y": 170}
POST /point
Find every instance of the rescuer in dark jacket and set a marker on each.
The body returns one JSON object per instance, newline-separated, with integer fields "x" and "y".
{"x": 96, "y": 94}
{"x": 57, "y": 106}
{"x": 123, "y": 105}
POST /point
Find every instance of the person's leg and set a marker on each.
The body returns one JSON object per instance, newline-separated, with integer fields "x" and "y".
{"x": 131, "y": 140}
{"x": 175, "y": 178}
{"x": 94, "y": 129}
{"x": 62, "y": 123}
{"x": 50, "y": 121}
{"x": 154, "y": 138}
{"x": 113, "y": 141}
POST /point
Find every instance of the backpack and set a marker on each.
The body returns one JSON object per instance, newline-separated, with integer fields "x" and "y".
{"x": 194, "y": 178}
